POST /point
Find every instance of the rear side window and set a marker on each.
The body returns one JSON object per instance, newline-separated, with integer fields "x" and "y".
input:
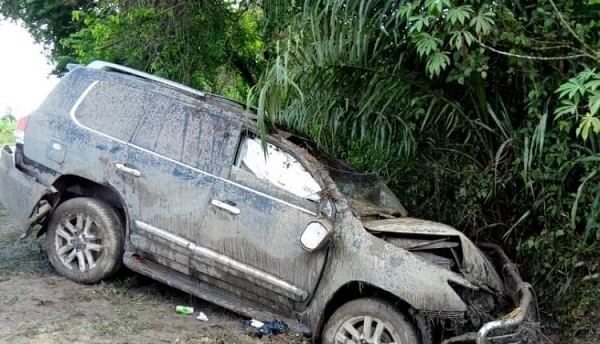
{"x": 113, "y": 109}
{"x": 191, "y": 135}
{"x": 170, "y": 129}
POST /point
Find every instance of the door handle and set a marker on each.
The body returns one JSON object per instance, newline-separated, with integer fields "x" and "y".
{"x": 225, "y": 206}
{"x": 128, "y": 170}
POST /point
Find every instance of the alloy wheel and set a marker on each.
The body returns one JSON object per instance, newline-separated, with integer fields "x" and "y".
{"x": 366, "y": 329}
{"x": 78, "y": 242}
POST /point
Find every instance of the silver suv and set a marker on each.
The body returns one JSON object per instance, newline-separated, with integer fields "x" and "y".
{"x": 122, "y": 167}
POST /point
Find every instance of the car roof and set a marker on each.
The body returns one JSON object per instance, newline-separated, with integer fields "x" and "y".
{"x": 189, "y": 91}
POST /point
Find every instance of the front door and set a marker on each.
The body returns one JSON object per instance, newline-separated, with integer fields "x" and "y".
{"x": 255, "y": 221}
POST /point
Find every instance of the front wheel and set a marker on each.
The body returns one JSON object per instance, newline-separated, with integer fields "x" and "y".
{"x": 85, "y": 240}
{"x": 369, "y": 321}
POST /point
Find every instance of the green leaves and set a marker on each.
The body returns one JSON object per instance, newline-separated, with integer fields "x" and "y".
{"x": 567, "y": 107}
{"x": 483, "y": 22}
{"x": 7, "y": 126}
{"x": 436, "y": 6}
{"x": 588, "y": 123}
{"x": 458, "y": 39}
{"x": 581, "y": 94}
{"x": 405, "y": 11}
{"x": 437, "y": 62}
{"x": 459, "y": 14}
{"x": 216, "y": 47}
{"x": 572, "y": 89}
{"x": 594, "y": 103}
{"x": 77, "y": 15}
{"x": 419, "y": 23}
{"x": 426, "y": 43}
{"x": 436, "y": 95}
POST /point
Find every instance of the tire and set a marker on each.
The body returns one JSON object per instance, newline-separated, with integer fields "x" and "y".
{"x": 347, "y": 324}
{"x": 85, "y": 240}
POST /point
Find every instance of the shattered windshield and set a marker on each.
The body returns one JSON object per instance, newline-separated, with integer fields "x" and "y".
{"x": 367, "y": 193}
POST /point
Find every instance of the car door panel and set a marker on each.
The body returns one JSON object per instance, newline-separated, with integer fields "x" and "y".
{"x": 174, "y": 151}
{"x": 265, "y": 234}
{"x": 170, "y": 195}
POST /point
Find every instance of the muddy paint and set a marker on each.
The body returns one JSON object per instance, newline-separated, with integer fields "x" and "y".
{"x": 18, "y": 192}
{"x": 475, "y": 266}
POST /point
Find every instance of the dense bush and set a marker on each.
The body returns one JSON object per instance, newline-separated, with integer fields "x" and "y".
{"x": 481, "y": 114}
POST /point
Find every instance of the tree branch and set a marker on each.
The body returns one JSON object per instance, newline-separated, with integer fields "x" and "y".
{"x": 539, "y": 58}
{"x": 569, "y": 28}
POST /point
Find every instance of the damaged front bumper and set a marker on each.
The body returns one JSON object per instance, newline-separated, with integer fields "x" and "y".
{"x": 518, "y": 326}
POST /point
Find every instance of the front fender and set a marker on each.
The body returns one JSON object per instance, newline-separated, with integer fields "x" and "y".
{"x": 358, "y": 256}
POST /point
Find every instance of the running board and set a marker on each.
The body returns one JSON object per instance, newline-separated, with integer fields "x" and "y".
{"x": 206, "y": 291}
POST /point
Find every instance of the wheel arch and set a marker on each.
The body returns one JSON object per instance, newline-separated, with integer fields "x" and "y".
{"x": 71, "y": 186}
{"x": 358, "y": 289}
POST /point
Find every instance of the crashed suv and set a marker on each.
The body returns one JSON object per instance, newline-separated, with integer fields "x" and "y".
{"x": 122, "y": 167}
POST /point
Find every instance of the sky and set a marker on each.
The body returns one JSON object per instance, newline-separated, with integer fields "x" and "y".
{"x": 24, "y": 71}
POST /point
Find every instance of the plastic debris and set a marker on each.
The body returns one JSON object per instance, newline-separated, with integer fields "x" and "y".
{"x": 202, "y": 317}
{"x": 270, "y": 328}
{"x": 256, "y": 324}
{"x": 184, "y": 310}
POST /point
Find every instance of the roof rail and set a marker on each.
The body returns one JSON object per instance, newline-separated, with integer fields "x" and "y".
{"x": 112, "y": 67}
{"x": 71, "y": 66}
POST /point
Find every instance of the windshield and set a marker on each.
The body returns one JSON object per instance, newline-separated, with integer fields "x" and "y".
{"x": 367, "y": 193}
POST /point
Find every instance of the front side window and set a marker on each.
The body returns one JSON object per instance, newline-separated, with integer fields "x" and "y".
{"x": 278, "y": 168}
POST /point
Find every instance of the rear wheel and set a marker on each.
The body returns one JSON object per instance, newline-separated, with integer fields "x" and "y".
{"x": 369, "y": 321}
{"x": 85, "y": 240}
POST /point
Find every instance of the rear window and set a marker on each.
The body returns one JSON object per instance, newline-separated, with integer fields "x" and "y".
{"x": 113, "y": 109}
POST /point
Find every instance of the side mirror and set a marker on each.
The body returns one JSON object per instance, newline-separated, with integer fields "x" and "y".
{"x": 327, "y": 208}
{"x": 315, "y": 236}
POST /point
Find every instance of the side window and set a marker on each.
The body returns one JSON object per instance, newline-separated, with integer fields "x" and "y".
{"x": 277, "y": 167}
{"x": 112, "y": 109}
{"x": 186, "y": 134}
{"x": 215, "y": 144}
{"x": 163, "y": 129}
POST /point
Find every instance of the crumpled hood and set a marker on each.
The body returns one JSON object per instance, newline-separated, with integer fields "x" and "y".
{"x": 476, "y": 267}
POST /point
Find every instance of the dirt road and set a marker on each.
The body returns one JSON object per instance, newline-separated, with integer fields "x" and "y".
{"x": 39, "y": 306}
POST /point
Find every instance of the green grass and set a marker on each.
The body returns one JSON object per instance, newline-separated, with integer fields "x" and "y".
{"x": 126, "y": 322}
{"x": 6, "y": 132}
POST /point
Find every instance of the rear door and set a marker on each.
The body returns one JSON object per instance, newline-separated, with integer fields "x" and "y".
{"x": 170, "y": 166}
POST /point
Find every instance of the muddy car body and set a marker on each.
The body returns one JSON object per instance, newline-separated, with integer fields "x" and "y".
{"x": 118, "y": 166}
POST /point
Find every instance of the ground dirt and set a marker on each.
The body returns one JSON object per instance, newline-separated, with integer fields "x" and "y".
{"x": 39, "y": 306}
